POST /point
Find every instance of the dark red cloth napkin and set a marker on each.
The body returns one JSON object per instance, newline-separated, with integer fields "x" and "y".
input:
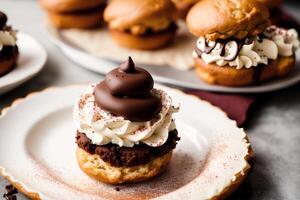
{"x": 237, "y": 106}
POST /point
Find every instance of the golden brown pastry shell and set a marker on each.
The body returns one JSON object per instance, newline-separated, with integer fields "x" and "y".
{"x": 95, "y": 167}
{"x": 128, "y": 13}
{"x": 230, "y": 76}
{"x": 222, "y": 19}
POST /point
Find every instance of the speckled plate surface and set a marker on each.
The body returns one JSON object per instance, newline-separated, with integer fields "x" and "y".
{"x": 31, "y": 60}
{"x": 37, "y": 152}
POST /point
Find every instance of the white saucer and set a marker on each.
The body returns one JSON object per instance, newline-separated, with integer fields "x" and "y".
{"x": 168, "y": 75}
{"x": 38, "y": 155}
{"x": 31, "y": 60}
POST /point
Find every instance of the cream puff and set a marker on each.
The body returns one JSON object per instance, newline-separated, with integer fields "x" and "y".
{"x": 145, "y": 25}
{"x": 8, "y": 46}
{"x": 237, "y": 46}
{"x": 125, "y": 129}
{"x": 74, "y": 13}
{"x": 183, "y": 6}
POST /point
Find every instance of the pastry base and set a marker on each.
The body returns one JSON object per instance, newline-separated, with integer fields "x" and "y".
{"x": 82, "y": 20}
{"x": 230, "y": 76}
{"x": 145, "y": 42}
{"x": 96, "y": 168}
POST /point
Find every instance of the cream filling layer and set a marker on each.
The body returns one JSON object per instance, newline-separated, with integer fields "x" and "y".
{"x": 7, "y": 38}
{"x": 103, "y": 128}
{"x": 272, "y": 43}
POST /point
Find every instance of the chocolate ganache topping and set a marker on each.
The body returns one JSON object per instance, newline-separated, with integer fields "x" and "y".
{"x": 126, "y": 92}
{"x": 3, "y": 20}
{"x": 206, "y": 46}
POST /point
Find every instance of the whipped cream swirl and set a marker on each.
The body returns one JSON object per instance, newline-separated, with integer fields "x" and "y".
{"x": 250, "y": 52}
{"x": 103, "y": 127}
{"x": 7, "y": 38}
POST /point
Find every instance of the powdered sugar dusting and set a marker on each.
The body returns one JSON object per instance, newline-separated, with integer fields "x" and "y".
{"x": 185, "y": 166}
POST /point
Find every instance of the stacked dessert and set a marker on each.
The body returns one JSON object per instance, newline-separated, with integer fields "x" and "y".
{"x": 74, "y": 13}
{"x": 146, "y": 25}
{"x": 8, "y": 46}
{"x": 126, "y": 132}
{"x": 237, "y": 46}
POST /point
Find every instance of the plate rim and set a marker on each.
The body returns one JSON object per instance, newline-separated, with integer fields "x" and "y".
{"x": 235, "y": 181}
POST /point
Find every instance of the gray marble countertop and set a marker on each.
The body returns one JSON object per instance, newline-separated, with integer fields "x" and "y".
{"x": 273, "y": 128}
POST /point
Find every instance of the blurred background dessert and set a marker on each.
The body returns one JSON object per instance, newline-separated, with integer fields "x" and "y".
{"x": 145, "y": 25}
{"x": 237, "y": 46}
{"x": 74, "y": 13}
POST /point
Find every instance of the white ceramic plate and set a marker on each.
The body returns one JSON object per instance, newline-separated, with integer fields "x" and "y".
{"x": 168, "y": 75}
{"x": 31, "y": 60}
{"x": 37, "y": 151}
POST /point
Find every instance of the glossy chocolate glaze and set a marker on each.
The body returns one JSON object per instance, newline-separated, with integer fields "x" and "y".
{"x": 126, "y": 92}
{"x": 239, "y": 44}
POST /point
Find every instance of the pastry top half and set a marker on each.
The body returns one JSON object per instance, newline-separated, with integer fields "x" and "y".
{"x": 139, "y": 16}
{"x": 222, "y": 19}
{"x": 61, "y": 6}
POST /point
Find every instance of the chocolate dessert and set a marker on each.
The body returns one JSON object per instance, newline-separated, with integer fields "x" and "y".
{"x": 8, "y": 47}
{"x": 125, "y": 125}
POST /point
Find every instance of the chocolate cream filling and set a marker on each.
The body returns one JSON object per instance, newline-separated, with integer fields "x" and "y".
{"x": 9, "y": 52}
{"x": 209, "y": 46}
{"x": 127, "y": 156}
